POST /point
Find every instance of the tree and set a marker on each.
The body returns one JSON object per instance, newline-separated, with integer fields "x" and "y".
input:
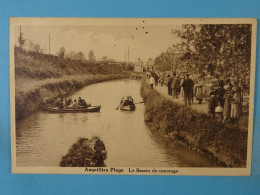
{"x": 226, "y": 47}
{"x": 21, "y": 40}
{"x": 61, "y": 54}
{"x": 30, "y": 45}
{"x": 217, "y": 48}
{"x": 36, "y": 48}
{"x": 91, "y": 55}
{"x": 81, "y": 56}
{"x": 104, "y": 58}
{"x": 76, "y": 56}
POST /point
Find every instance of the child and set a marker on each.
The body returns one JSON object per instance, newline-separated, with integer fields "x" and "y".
{"x": 212, "y": 102}
{"x": 218, "y": 112}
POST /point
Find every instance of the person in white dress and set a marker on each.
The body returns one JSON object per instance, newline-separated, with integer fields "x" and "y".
{"x": 152, "y": 82}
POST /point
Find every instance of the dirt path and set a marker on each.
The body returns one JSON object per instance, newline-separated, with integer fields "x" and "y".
{"x": 201, "y": 108}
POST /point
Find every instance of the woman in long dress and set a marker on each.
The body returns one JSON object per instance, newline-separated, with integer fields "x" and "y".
{"x": 227, "y": 106}
{"x": 182, "y": 90}
{"x": 198, "y": 91}
{"x": 235, "y": 106}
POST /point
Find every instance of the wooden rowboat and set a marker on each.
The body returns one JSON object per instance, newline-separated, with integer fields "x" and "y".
{"x": 75, "y": 110}
{"x": 127, "y": 108}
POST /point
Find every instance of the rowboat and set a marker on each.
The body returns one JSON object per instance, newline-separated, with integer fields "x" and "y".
{"x": 75, "y": 110}
{"x": 127, "y": 108}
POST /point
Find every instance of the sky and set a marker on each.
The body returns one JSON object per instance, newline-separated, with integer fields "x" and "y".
{"x": 143, "y": 41}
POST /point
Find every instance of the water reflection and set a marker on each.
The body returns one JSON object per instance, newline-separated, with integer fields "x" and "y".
{"x": 43, "y": 138}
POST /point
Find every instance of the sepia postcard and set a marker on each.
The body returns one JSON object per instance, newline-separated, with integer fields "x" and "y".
{"x": 132, "y": 96}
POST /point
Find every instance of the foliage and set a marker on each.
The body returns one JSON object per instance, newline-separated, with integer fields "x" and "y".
{"x": 104, "y": 58}
{"x": 35, "y": 65}
{"x": 215, "y": 48}
{"x": 76, "y": 56}
{"x": 227, "y": 143}
{"x": 61, "y": 54}
{"x": 83, "y": 154}
{"x": 21, "y": 40}
{"x": 91, "y": 55}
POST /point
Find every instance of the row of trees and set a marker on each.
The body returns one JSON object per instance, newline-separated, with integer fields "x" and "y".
{"x": 210, "y": 49}
{"x": 35, "y": 47}
{"x": 76, "y": 55}
{"x": 28, "y": 44}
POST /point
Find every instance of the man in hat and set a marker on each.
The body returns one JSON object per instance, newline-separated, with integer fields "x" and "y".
{"x": 169, "y": 84}
{"x": 173, "y": 85}
{"x": 177, "y": 87}
{"x": 188, "y": 89}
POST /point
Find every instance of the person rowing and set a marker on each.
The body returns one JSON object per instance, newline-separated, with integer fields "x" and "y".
{"x": 121, "y": 102}
{"x": 128, "y": 101}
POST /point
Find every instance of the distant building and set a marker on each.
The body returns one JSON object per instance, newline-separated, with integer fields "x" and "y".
{"x": 138, "y": 66}
{"x": 149, "y": 65}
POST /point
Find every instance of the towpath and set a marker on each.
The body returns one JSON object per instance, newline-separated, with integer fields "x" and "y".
{"x": 201, "y": 108}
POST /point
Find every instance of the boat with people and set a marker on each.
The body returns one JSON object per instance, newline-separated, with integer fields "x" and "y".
{"x": 67, "y": 105}
{"x": 126, "y": 104}
{"x": 127, "y": 107}
{"x": 74, "y": 110}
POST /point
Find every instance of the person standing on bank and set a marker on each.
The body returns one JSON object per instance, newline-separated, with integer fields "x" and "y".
{"x": 174, "y": 79}
{"x": 188, "y": 89}
{"x": 227, "y": 98}
{"x": 198, "y": 92}
{"x": 181, "y": 90}
{"x": 169, "y": 83}
{"x": 177, "y": 87}
{"x": 235, "y": 106}
{"x": 152, "y": 82}
{"x": 221, "y": 93}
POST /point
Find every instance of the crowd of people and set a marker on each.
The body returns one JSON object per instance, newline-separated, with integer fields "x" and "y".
{"x": 224, "y": 97}
{"x": 69, "y": 103}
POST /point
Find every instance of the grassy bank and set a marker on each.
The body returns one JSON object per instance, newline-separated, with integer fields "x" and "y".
{"x": 200, "y": 132}
{"x": 32, "y": 65}
{"x": 30, "y": 93}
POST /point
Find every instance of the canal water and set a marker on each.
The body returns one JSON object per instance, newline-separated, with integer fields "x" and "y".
{"x": 43, "y": 138}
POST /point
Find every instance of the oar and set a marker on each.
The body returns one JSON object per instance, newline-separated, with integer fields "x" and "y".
{"x": 118, "y": 106}
{"x": 140, "y": 102}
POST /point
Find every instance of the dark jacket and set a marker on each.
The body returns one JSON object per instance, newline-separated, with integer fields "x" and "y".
{"x": 188, "y": 85}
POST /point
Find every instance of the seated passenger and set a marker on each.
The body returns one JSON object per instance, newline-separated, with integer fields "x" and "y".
{"x": 73, "y": 104}
{"x": 130, "y": 100}
{"x": 84, "y": 103}
{"x": 61, "y": 104}
{"x": 56, "y": 102}
{"x": 80, "y": 101}
{"x": 68, "y": 101}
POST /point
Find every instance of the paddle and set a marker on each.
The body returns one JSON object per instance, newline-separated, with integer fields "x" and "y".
{"x": 118, "y": 106}
{"x": 140, "y": 102}
{"x": 134, "y": 103}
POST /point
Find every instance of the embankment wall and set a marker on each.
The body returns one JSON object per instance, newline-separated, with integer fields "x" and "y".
{"x": 227, "y": 144}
